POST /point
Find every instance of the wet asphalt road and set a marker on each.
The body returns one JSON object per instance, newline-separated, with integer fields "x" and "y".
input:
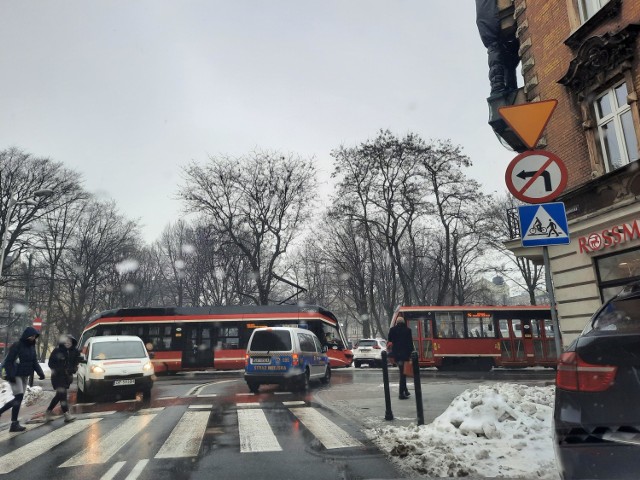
{"x": 208, "y": 425}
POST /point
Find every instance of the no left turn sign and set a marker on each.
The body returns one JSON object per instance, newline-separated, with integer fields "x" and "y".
{"x": 536, "y": 176}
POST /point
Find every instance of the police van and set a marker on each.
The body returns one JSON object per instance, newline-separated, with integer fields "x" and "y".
{"x": 285, "y": 356}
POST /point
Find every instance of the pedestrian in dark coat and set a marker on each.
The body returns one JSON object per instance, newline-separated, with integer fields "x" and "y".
{"x": 19, "y": 364}
{"x": 401, "y": 341}
{"x": 63, "y": 363}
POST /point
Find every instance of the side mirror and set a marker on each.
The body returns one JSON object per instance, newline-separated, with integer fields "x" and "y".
{"x": 152, "y": 354}
{"x": 82, "y": 359}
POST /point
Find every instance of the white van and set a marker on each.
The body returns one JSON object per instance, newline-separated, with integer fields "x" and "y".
{"x": 117, "y": 365}
{"x": 285, "y": 356}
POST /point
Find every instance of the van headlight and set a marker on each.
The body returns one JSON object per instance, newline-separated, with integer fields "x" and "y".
{"x": 96, "y": 369}
{"x": 147, "y": 367}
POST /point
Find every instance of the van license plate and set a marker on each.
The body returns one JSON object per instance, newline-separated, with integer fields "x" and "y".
{"x": 123, "y": 382}
{"x": 261, "y": 360}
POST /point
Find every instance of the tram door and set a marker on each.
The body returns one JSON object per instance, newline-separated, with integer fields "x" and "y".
{"x": 544, "y": 347}
{"x": 198, "y": 346}
{"x": 512, "y": 340}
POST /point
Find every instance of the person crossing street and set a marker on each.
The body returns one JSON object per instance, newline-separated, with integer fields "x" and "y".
{"x": 63, "y": 363}
{"x": 19, "y": 364}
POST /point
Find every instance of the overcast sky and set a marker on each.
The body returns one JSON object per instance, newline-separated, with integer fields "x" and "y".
{"x": 128, "y": 92}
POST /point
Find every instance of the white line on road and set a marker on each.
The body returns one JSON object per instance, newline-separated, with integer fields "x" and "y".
{"x": 291, "y": 404}
{"x": 103, "y": 449}
{"x": 248, "y": 405}
{"x": 327, "y": 432}
{"x": 209, "y": 395}
{"x": 22, "y": 455}
{"x": 186, "y": 437}
{"x": 113, "y": 471}
{"x": 255, "y": 432}
{"x": 137, "y": 470}
{"x": 6, "y": 434}
{"x": 201, "y": 407}
{"x": 146, "y": 411}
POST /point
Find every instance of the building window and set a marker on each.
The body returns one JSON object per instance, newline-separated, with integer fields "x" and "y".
{"x": 588, "y": 8}
{"x": 616, "y": 130}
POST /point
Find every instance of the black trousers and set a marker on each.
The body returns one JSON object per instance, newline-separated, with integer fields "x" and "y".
{"x": 61, "y": 396}
{"x": 403, "y": 378}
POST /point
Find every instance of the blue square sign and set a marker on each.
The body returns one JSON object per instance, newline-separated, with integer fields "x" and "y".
{"x": 543, "y": 224}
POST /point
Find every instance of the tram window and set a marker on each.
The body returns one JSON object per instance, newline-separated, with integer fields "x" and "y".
{"x": 426, "y": 328}
{"x": 160, "y": 337}
{"x": 449, "y": 325}
{"x": 548, "y": 328}
{"x": 136, "y": 330}
{"x": 504, "y": 328}
{"x": 228, "y": 338}
{"x": 474, "y": 327}
{"x": 535, "y": 327}
{"x": 517, "y": 328}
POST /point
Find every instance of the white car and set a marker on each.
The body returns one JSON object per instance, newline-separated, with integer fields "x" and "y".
{"x": 369, "y": 351}
{"x": 117, "y": 364}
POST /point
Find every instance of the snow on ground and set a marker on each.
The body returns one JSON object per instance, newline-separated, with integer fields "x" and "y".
{"x": 31, "y": 396}
{"x": 500, "y": 430}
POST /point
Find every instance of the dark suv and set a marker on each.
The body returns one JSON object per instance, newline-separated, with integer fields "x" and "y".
{"x": 597, "y": 417}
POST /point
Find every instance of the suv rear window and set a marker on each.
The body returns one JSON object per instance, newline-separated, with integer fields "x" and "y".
{"x": 367, "y": 343}
{"x": 622, "y": 315}
{"x": 271, "y": 340}
{"x": 117, "y": 350}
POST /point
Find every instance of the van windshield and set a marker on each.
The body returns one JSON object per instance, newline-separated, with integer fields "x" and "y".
{"x": 271, "y": 340}
{"x": 117, "y": 350}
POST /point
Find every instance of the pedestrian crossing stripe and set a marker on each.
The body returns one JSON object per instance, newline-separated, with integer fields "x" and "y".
{"x": 327, "y": 433}
{"x": 184, "y": 441}
{"x": 107, "y": 446}
{"x": 186, "y": 437}
{"x": 22, "y": 455}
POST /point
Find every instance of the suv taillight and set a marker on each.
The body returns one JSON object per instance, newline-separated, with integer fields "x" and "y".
{"x": 246, "y": 359}
{"x": 577, "y": 375}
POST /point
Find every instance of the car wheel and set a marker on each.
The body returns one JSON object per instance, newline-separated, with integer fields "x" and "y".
{"x": 357, "y": 364}
{"x": 146, "y": 394}
{"x": 82, "y": 396}
{"x": 253, "y": 387}
{"x": 303, "y": 384}
{"x": 327, "y": 375}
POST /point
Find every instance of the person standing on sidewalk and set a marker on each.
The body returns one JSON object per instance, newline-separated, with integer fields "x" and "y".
{"x": 401, "y": 341}
{"x": 20, "y": 363}
{"x": 63, "y": 363}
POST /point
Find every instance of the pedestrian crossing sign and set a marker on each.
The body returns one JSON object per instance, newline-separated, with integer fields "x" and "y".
{"x": 543, "y": 224}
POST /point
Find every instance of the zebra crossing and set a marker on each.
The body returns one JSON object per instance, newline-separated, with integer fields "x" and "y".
{"x": 184, "y": 439}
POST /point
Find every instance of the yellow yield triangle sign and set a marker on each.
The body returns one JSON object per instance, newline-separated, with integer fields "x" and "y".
{"x": 528, "y": 120}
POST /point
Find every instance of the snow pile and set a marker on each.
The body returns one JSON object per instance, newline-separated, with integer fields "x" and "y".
{"x": 31, "y": 396}
{"x": 502, "y": 430}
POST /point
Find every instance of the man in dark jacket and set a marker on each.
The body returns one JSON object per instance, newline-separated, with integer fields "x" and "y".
{"x": 19, "y": 365}
{"x": 63, "y": 363}
{"x": 401, "y": 341}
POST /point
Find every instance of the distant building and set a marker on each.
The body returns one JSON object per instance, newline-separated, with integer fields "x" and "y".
{"x": 585, "y": 54}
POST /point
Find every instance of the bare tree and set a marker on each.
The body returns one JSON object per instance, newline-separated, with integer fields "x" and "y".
{"x": 258, "y": 204}
{"x": 21, "y": 176}
{"x": 102, "y": 239}
{"x": 520, "y": 270}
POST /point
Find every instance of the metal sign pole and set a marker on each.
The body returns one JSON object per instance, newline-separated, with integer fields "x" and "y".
{"x": 552, "y": 301}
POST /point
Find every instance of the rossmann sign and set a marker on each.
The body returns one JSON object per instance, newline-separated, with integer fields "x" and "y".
{"x": 609, "y": 237}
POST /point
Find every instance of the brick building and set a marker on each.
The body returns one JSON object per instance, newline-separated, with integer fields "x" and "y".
{"x": 585, "y": 54}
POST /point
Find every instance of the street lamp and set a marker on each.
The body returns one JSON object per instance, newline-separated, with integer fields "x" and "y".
{"x": 43, "y": 193}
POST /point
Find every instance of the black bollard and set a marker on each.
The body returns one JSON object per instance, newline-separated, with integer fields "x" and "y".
{"x": 388, "y": 414}
{"x": 417, "y": 387}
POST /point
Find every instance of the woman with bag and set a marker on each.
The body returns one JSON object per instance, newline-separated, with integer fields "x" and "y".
{"x": 63, "y": 363}
{"x": 20, "y": 363}
{"x": 401, "y": 341}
